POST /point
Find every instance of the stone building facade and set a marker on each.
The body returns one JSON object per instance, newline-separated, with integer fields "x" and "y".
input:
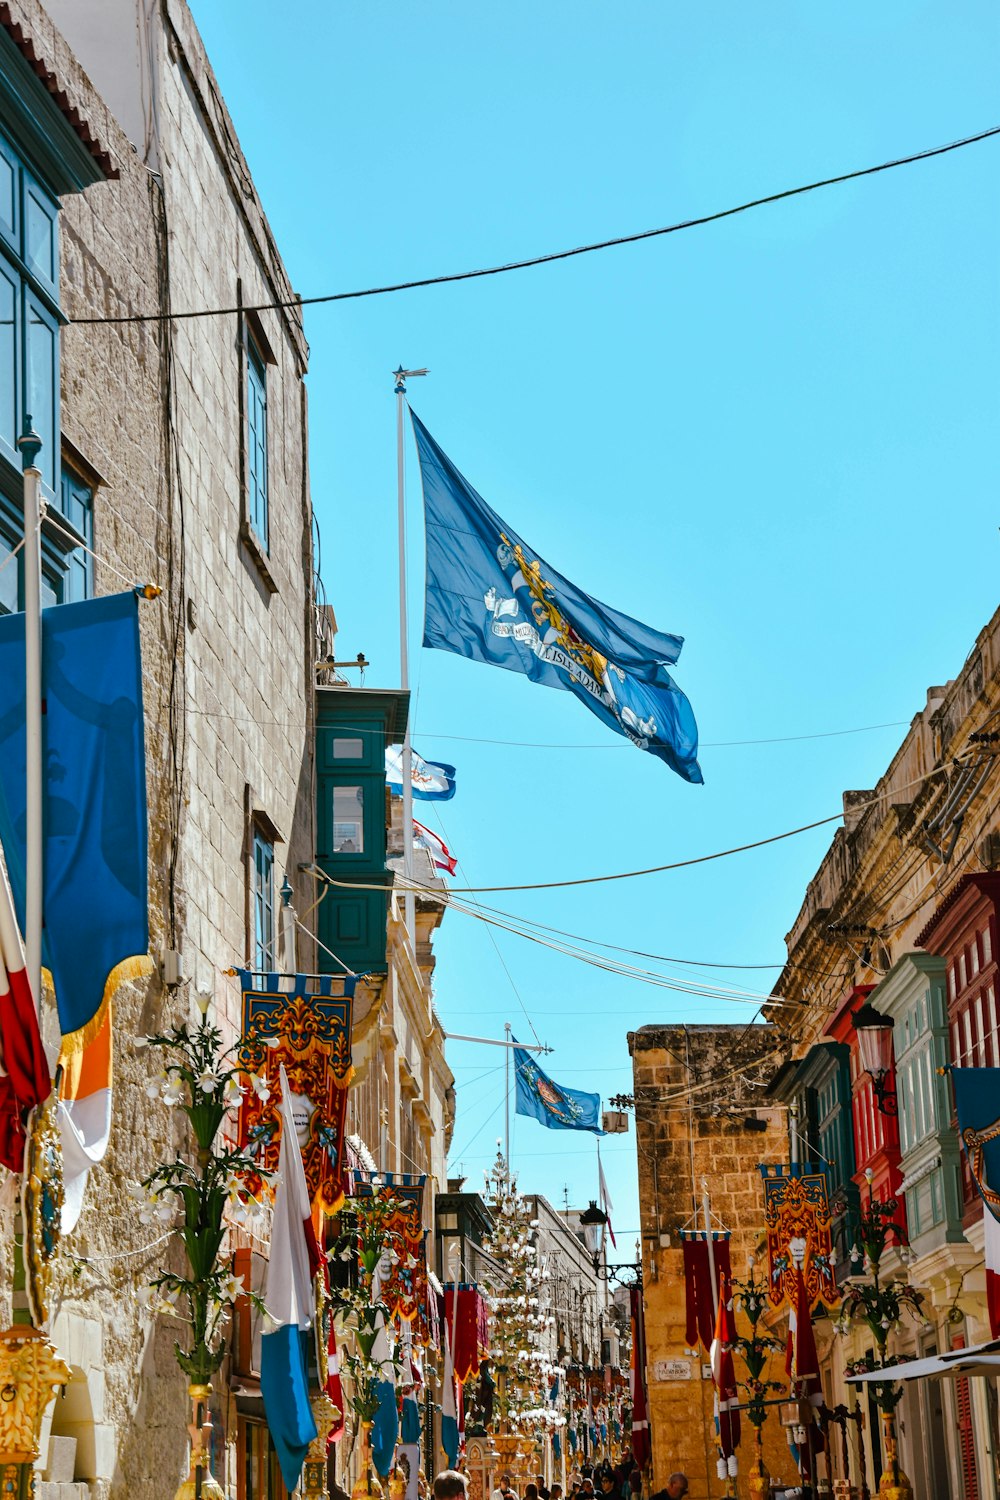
{"x": 700, "y": 1122}
{"x": 903, "y": 914}
{"x": 177, "y": 453}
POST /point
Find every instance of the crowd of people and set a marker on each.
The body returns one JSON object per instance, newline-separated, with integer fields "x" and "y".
{"x": 622, "y": 1482}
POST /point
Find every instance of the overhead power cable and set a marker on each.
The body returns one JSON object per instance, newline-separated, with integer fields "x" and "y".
{"x": 701, "y": 859}
{"x": 541, "y": 260}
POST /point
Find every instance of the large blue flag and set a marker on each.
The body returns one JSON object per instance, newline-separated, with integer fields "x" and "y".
{"x": 977, "y": 1106}
{"x": 492, "y": 599}
{"x": 549, "y": 1103}
{"x": 94, "y": 797}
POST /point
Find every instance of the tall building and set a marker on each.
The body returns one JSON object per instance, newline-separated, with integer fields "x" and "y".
{"x": 175, "y": 452}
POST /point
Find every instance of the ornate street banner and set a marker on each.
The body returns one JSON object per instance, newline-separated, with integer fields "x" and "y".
{"x": 307, "y": 1029}
{"x": 698, "y": 1296}
{"x": 797, "y": 1217}
{"x": 977, "y": 1105}
{"x": 404, "y": 1289}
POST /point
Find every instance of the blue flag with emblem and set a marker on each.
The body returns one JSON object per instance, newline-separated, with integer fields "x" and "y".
{"x": 977, "y": 1106}
{"x": 94, "y": 898}
{"x": 548, "y": 1102}
{"x": 492, "y": 599}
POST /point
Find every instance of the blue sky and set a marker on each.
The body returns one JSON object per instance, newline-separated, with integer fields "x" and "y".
{"x": 775, "y": 436}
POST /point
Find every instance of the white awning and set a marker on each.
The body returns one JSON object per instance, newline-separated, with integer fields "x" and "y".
{"x": 978, "y": 1359}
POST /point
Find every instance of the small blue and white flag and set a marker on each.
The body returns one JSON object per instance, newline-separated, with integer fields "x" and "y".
{"x": 288, "y": 1296}
{"x": 385, "y": 1425}
{"x": 449, "y": 1409}
{"x": 432, "y": 780}
{"x": 548, "y": 1102}
{"x": 491, "y": 598}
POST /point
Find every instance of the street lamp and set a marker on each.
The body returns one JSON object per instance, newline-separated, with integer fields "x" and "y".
{"x": 592, "y": 1222}
{"x": 874, "y": 1032}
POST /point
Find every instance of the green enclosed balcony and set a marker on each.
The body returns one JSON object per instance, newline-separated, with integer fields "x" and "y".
{"x": 353, "y": 727}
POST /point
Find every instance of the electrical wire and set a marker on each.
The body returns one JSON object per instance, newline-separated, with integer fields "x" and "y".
{"x": 695, "y": 963}
{"x": 615, "y": 744}
{"x": 556, "y": 255}
{"x": 683, "y": 864}
{"x": 79, "y": 546}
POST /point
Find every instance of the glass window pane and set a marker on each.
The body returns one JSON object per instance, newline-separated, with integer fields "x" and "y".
{"x": 8, "y": 193}
{"x": 263, "y": 858}
{"x": 40, "y": 236}
{"x": 76, "y": 500}
{"x": 9, "y": 425}
{"x": 257, "y": 444}
{"x": 348, "y": 749}
{"x": 42, "y": 398}
{"x": 348, "y": 820}
{"x": 8, "y": 577}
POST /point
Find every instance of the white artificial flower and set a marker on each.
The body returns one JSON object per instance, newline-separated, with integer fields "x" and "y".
{"x": 260, "y": 1088}
{"x": 232, "y": 1288}
{"x": 207, "y": 1081}
{"x": 138, "y": 1042}
{"x": 144, "y": 1296}
{"x": 154, "y": 1085}
{"x": 137, "y": 1192}
{"x": 272, "y": 1041}
{"x": 172, "y": 1092}
{"x": 232, "y": 1094}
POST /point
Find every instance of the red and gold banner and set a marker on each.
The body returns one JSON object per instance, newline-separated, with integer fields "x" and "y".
{"x": 307, "y": 1029}
{"x": 405, "y": 1290}
{"x": 797, "y": 1217}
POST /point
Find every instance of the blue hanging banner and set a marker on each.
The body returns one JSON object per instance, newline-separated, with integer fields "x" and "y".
{"x": 94, "y": 895}
{"x": 491, "y": 598}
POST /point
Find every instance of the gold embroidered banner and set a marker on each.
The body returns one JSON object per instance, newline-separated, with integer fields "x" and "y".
{"x": 797, "y": 1217}
{"x": 405, "y": 1290}
{"x": 308, "y": 1030}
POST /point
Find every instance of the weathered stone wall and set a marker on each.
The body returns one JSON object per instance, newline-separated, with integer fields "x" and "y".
{"x": 694, "y": 1092}
{"x": 155, "y": 412}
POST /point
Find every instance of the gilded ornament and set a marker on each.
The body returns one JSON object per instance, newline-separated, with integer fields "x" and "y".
{"x": 42, "y": 1203}
{"x": 30, "y": 1374}
{"x": 201, "y": 1434}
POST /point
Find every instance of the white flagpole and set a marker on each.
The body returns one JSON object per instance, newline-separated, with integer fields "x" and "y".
{"x": 30, "y": 445}
{"x": 409, "y": 900}
{"x": 506, "y": 1099}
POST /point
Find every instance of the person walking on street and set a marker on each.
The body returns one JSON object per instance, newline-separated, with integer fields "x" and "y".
{"x": 449, "y": 1485}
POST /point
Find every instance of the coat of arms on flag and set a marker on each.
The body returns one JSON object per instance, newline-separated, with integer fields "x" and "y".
{"x": 550, "y": 1103}
{"x": 797, "y": 1217}
{"x": 491, "y": 598}
{"x": 306, "y": 1030}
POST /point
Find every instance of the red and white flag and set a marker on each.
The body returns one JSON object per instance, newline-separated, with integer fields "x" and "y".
{"x": 642, "y": 1450}
{"x": 436, "y": 847}
{"x": 727, "y": 1399}
{"x": 992, "y": 1228}
{"x": 24, "y": 1071}
{"x": 606, "y": 1202}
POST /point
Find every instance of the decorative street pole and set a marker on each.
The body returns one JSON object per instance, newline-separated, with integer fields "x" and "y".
{"x": 755, "y": 1349}
{"x": 880, "y": 1305}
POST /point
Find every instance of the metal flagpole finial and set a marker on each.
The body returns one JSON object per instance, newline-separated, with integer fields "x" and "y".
{"x": 29, "y": 443}
{"x": 402, "y": 376}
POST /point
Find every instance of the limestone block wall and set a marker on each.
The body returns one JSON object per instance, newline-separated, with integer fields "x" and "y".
{"x": 153, "y": 415}
{"x": 694, "y": 1094}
